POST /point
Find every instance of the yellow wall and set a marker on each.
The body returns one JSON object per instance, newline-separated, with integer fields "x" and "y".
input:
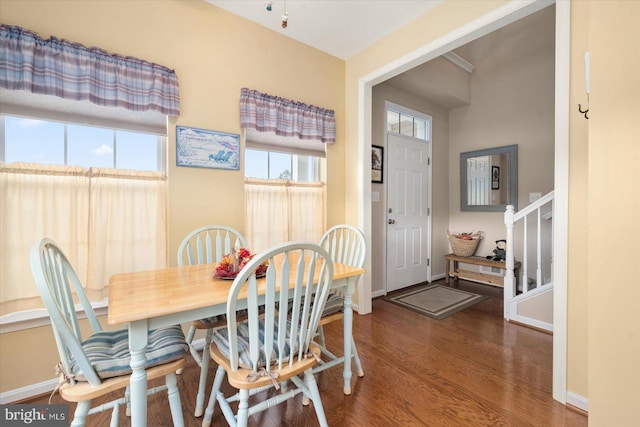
{"x": 214, "y": 54}
{"x": 578, "y": 270}
{"x": 613, "y": 214}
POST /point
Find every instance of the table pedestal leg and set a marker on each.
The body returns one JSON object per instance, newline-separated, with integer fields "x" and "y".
{"x": 138, "y": 385}
{"x": 347, "y": 331}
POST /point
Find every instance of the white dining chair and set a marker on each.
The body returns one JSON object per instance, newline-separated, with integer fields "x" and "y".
{"x": 346, "y": 245}
{"x": 274, "y": 345}
{"x": 206, "y": 245}
{"x": 100, "y": 364}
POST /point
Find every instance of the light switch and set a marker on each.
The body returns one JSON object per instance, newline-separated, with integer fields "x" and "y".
{"x": 534, "y": 196}
{"x": 375, "y": 196}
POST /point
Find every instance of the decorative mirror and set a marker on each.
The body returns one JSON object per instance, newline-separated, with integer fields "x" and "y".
{"x": 489, "y": 179}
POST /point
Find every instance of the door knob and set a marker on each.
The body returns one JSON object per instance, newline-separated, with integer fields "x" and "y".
{"x": 392, "y": 221}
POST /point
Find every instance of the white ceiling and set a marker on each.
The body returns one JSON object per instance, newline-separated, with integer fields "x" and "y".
{"x": 341, "y": 28}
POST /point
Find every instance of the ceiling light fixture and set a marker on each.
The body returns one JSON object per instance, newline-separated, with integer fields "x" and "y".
{"x": 285, "y": 15}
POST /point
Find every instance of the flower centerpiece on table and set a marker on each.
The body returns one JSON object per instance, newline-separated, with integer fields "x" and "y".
{"x": 231, "y": 264}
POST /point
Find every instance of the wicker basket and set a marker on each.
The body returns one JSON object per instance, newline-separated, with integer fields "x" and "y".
{"x": 462, "y": 247}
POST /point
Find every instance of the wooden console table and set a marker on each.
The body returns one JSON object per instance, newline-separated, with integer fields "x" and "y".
{"x": 475, "y": 276}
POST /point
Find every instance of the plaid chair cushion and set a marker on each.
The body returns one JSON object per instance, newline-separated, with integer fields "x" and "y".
{"x": 221, "y": 319}
{"x": 221, "y": 340}
{"x": 108, "y": 351}
{"x": 212, "y": 322}
{"x": 334, "y": 304}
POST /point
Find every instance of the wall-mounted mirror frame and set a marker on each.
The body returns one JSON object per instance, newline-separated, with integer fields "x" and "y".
{"x": 507, "y": 176}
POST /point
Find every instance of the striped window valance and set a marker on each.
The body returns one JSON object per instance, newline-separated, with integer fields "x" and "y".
{"x": 72, "y": 71}
{"x": 299, "y": 126}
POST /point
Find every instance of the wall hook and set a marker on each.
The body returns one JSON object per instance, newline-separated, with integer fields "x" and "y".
{"x": 586, "y": 80}
{"x": 585, "y": 112}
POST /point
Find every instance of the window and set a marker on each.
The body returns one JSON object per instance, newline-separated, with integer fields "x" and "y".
{"x": 284, "y": 198}
{"x": 277, "y": 165}
{"x": 100, "y": 193}
{"x": 404, "y": 123}
{"x": 50, "y": 142}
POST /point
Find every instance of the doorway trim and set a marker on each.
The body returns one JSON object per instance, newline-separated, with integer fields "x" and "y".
{"x": 500, "y": 17}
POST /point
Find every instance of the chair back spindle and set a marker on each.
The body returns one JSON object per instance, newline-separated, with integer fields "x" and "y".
{"x": 345, "y": 244}
{"x": 208, "y": 244}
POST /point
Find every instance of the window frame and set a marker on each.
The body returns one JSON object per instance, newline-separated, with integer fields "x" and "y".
{"x": 404, "y": 111}
{"x": 161, "y": 140}
{"x": 319, "y": 164}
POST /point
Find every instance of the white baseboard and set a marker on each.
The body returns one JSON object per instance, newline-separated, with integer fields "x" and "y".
{"x": 578, "y": 401}
{"x": 383, "y": 292}
{"x": 29, "y": 391}
{"x": 377, "y": 294}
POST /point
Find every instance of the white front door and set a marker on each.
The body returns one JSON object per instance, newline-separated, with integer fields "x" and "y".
{"x": 408, "y": 219}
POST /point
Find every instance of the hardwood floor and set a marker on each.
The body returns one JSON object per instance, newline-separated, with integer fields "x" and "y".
{"x": 470, "y": 369}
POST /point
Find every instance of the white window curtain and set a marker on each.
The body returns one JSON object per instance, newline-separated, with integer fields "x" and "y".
{"x": 282, "y": 211}
{"x": 106, "y": 220}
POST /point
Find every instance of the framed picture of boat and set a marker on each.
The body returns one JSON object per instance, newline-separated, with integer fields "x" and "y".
{"x": 201, "y": 148}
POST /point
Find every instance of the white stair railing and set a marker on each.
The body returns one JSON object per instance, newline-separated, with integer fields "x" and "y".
{"x": 511, "y": 291}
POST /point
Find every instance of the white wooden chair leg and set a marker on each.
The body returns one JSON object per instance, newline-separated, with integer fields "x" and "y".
{"x": 204, "y": 371}
{"x": 356, "y": 359}
{"x": 217, "y": 383}
{"x": 174, "y": 400}
{"x": 312, "y": 386}
{"x": 243, "y": 408}
{"x": 127, "y": 397}
{"x": 115, "y": 413}
{"x": 80, "y": 415}
{"x": 321, "y": 335}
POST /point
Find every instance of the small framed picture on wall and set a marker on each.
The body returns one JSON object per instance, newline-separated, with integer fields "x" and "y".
{"x": 202, "y": 148}
{"x": 495, "y": 177}
{"x": 377, "y": 161}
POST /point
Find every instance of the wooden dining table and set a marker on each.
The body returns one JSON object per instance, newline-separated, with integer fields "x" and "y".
{"x": 152, "y": 299}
